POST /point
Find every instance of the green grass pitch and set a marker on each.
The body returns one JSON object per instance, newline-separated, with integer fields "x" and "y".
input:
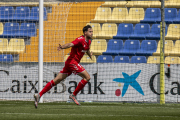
{"x": 21, "y": 110}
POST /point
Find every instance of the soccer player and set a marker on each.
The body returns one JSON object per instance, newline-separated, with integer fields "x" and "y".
{"x": 80, "y": 46}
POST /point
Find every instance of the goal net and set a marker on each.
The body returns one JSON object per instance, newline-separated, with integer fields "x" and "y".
{"x": 129, "y": 60}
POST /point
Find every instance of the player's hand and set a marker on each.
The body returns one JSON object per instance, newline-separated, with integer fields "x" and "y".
{"x": 91, "y": 53}
{"x": 59, "y": 48}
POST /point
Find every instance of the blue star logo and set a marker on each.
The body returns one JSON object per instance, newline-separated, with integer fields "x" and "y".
{"x": 130, "y": 80}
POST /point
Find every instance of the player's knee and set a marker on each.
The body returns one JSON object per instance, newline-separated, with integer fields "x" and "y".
{"x": 59, "y": 78}
{"x": 56, "y": 81}
{"x": 88, "y": 78}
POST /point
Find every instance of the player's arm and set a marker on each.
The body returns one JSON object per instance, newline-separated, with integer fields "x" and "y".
{"x": 89, "y": 54}
{"x": 75, "y": 43}
{"x": 68, "y": 45}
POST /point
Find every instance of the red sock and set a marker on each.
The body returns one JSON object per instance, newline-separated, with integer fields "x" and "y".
{"x": 80, "y": 86}
{"x": 48, "y": 86}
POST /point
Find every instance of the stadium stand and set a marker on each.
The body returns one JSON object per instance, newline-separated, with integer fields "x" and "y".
{"x": 121, "y": 59}
{"x": 170, "y": 15}
{"x": 114, "y": 47}
{"x": 102, "y": 14}
{"x": 46, "y": 41}
{"x": 138, "y": 59}
{"x": 72, "y": 24}
{"x": 144, "y": 4}
{"x": 96, "y": 29}
{"x": 70, "y": 33}
{"x": 27, "y": 3}
{"x": 153, "y": 60}
{"x": 152, "y": 15}
{"x": 104, "y": 59}
{"x": 118, "y": 15}
{"x": 47, "y": 57}
{"x": 1, "y": 28}
{"x": 138, "y": 4}
{"x": 51, "y": 57}
{"x": 98, "y": 46}
{"x": 130, "y": 47}
{"x": 113, "y": 3}
{"x": 176, "y": 49}
{"x": 16, "y": 46}
{"x": 125, "y": 4}
{"x": 109, "y": 4}
{"x": 34, "y": 16}
{"x": 53, "y": 17}
{"x": 124, "y": 31}
{"x": 6, "y": 58}
{"x": 172, "y": 4}
{"x": 135, "y": 15}
{"x": 155, "y": 32}
{"x": 177, "y": 20}
{"x": 83, "y": 9}
{"x": 87, "y": 59}
{"x": 28, "y": 57}
{"x": 173, "y": 32}
{"x": 47, "y": 49}
{"x": 108, "y": 31}
{"x": 50, "y": 25}
{"x": 86, "y": 17}
{"x": 6, "y": 13}
{"x": 148, "y": 47}
{"x": 79, "y": 15}
{"x": 167, "y": 49}
{"x": 10, "y": 30}
{"x": 26, "y": 30}
{"x": 155, "y": 4}
{"x": 172, "y": 60}
{"x": 140, "y": 31}
{"x": 21, "y": 14}
{"x": 3, "y": 45}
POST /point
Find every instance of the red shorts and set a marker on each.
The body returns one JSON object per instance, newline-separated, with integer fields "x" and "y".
{"x": 70, "y": 68}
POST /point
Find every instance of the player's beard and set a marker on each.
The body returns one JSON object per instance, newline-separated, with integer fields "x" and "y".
{"x": 89, "y": 37}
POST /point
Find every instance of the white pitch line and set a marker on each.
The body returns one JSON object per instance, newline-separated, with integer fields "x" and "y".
{"x": 113, "y": 106}
{"x": 92, "y": 115}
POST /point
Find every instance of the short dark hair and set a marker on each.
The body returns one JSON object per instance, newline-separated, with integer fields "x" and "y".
{"x": 86, "y": 28}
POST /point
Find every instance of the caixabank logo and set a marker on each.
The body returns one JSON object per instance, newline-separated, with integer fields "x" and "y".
{"x": 29, "y": 86}
{"x": 128, "y": 81}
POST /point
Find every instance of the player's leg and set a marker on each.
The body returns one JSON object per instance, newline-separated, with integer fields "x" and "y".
{"x": 52, "y": 83}
{"x": 48, "y": 86}
{"x": 82, "y": 83}
{"x": 86, "y": 77}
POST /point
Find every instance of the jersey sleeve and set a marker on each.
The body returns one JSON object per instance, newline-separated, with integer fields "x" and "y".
{"x": 76, "y": 42}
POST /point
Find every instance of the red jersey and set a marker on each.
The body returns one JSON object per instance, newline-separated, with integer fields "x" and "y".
{"x": 81, "y": 46}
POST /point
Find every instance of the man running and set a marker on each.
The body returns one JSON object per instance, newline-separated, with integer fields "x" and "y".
{"x": 80, "y": 46}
